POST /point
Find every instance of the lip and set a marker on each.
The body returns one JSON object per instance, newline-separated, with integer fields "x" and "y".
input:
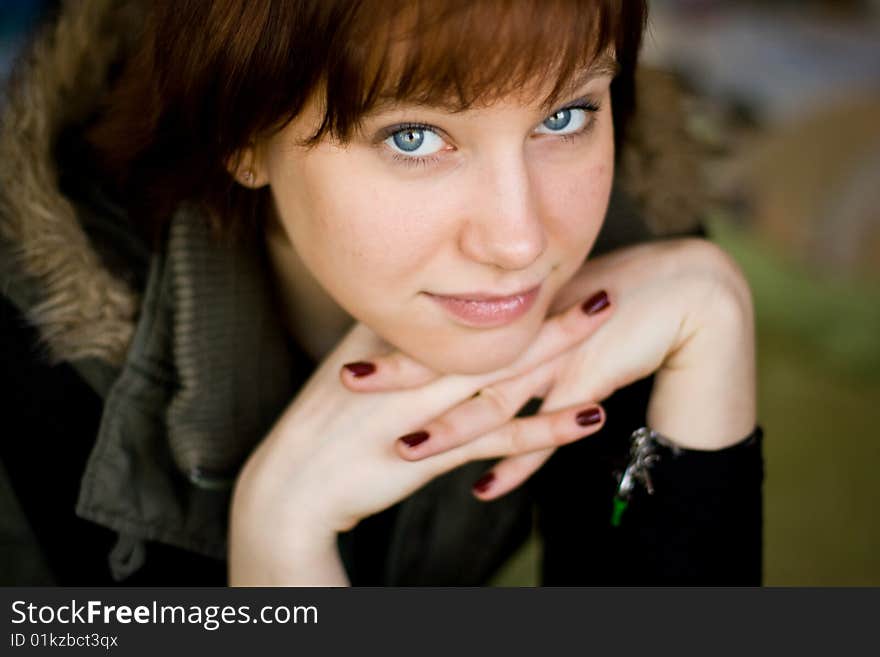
{"x": 483, "y": 310}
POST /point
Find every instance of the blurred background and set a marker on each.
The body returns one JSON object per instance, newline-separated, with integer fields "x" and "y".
{"x": 17, "y": 18}
{"x": 789, "y": 93}
{"x": 785, "y": 94}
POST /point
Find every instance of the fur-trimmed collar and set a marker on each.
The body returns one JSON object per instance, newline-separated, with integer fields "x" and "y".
{"x": 82, "y": 309}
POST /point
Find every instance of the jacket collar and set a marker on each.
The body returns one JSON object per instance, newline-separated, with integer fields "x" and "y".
{"x": 207, "y": 373}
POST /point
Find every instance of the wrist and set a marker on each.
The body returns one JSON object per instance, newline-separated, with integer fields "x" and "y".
{"x": 292, "y": 556}
{"x": 703, "y": 411}
{"x": 705, "y": 398}
{"x": 278, "y": 546}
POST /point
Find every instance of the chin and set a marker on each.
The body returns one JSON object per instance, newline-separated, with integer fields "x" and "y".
{"x": 464, "y": 363}
{"x": 476, "y": 354}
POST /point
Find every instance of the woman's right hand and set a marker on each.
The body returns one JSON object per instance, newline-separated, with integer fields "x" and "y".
{"x": 331, "y": 460}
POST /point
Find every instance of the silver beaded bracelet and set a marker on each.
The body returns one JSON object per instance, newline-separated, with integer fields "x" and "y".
{"x": 644, "y": 453}
{"x": 644, "y": 442}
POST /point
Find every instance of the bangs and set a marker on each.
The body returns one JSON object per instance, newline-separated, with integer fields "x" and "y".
{"x": 209, "y": 79}
{"x": 459, "y": 54}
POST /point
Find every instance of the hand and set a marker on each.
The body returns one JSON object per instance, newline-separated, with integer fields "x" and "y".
{"x": 683, "y": 311}
{"x": 330, "y": 460}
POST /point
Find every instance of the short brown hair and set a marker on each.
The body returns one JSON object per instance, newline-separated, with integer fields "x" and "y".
{"x": 210, "y": 77}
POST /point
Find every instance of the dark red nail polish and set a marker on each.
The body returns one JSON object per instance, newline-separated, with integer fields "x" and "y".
{"x": 360, "y": 369}
{"x": 415, "y": 438}
{"x": 482, "y": 484}
{"x": 588, "y": 417}
{"x": 596, "y": 303}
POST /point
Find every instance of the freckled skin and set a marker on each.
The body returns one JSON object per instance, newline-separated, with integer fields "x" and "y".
{"x": 499, "y": 208}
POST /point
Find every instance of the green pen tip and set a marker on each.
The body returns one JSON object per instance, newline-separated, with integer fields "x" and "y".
{"x": 617, "y": 511}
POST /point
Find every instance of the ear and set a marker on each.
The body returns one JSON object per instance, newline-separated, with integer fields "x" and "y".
{"x": 247, "y": 167}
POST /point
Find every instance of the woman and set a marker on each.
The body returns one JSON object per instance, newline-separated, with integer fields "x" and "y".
{"x": 369, "y": 224}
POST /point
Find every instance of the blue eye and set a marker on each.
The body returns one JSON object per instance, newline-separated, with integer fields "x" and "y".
{"x": 408, "y": 140}
{"x": 565, "y": 121}
{"x": 415, "y": 141}
{"x": 559, "y": 120}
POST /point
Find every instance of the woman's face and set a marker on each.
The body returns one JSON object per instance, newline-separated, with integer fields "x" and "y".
{"x": 448, "y": 233}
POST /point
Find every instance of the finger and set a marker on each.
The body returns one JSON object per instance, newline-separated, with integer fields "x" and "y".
{"x": 533, "y": 433}
{"x": 576, "y": 381}
{"x": 563, "y": 331}
{"x": 510, "y": 473}
{"x": 397, "y": 371}
{"x": 360, "y": 339}
{"x": 488, "y": 409}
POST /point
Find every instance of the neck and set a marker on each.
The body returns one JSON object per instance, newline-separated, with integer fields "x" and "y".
{"x": 311, "y": 316}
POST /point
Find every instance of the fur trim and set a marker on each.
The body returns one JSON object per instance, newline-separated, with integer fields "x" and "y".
{"x": 84, "y": 311}
{"x": 661, "y": 163}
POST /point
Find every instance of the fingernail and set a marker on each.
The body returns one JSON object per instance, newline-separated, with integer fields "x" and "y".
{"x": 360, "y": 369}
{"x": 482, "y": 484}
{"x": 588, "y": 417}
{"x": 596, "y": 303}
{"x": 415, "y": 438}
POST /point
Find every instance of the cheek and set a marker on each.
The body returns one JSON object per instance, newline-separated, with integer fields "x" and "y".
{"x": 359, "y": 234}
{"x": 576, "y": 200}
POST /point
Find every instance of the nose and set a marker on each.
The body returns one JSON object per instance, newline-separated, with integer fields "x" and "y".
{"x": 503, "y": 227}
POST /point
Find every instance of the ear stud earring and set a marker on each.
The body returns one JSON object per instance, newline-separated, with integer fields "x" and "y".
{"x": 248, "y": 177}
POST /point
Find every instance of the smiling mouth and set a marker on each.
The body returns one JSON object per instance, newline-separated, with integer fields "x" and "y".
{"x": 486, "y": 311}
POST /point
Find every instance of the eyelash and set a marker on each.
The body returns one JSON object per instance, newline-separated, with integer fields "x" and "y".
{"x": 590, "y": 107}
{"x": 409, "y": 160}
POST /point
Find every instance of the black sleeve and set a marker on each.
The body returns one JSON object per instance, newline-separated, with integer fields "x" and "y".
{"x": 702, "y": 525}
{"x": 50, "y": 420}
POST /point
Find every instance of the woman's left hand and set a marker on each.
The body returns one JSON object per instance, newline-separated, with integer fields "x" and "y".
{"x": 683, "y": 312}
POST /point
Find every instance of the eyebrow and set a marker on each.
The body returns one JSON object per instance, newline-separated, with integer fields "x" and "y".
{"x": 603, "y": 65}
